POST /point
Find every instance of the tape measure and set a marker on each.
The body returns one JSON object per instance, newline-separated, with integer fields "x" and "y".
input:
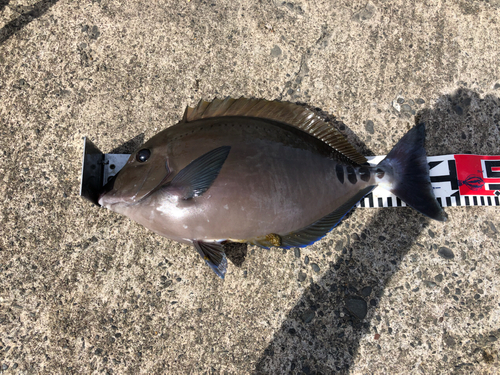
{"x": 457, "y": 180}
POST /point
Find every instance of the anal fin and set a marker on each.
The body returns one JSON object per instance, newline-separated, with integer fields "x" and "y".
{"x": 317, "y": 230}
{"x": 214, "y": 255}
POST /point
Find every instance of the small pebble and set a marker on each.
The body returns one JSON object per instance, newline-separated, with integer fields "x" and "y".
{"x": 405, "y": 108}
{"x": 446, "y": 253}
{"x": 308, "y": 316}
{"x": 306, "y": 260}
{"x": 369, "y": 127}
{"x": 366, "y": 291}
{"x": 458, "y": 110}
{"x": 296, "y": 252}
{"x": 276, "y": 51}
{"x": 357, "y": 307}
{"x": 94, "y": 34}
{"x": 315, "y": 267}
{"x": 430, "y": 284}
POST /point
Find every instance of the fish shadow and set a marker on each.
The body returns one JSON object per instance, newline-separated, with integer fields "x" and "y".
{"x": 31, "y": 13}
{"x": 321, "y": 334}
{"x": 129, "y": 146}
{"x": 236, "y": 252}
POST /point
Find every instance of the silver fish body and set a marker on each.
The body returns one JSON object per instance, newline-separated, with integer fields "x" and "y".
{"x": 249, "y": 179}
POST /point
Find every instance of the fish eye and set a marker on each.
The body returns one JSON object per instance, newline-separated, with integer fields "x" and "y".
{"x": 143, "y": 155}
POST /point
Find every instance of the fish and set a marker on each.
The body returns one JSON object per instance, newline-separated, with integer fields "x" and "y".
{"x": 266, "y": 173}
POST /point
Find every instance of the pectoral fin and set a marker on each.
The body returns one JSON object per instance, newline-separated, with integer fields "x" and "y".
{"x": 200, "y": 174}
{"x": 214, "y": 255}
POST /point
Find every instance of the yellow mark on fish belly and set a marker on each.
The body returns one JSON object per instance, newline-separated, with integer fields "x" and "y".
{"x": 274, "y": 239}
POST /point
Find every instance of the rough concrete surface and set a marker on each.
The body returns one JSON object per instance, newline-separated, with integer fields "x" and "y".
{"x": 84, "y": 290}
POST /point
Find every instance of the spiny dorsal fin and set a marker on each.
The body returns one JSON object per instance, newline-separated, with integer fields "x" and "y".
{"x": 284, "y": 112}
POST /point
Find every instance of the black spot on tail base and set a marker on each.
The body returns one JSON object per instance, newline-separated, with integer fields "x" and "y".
{"x": 351, "y": 175}
{"x": 340, "y": 172}
{"x": 364, "y": 174}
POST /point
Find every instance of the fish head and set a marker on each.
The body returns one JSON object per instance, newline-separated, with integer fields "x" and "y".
{"x": 146, "y": 170}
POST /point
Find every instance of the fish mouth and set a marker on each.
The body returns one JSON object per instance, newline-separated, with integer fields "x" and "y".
{"x": 105, "y": 190}
{"x": 111, "y": 196}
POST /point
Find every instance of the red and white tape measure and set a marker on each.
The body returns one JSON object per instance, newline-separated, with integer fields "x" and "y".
{"x": 457, "y": 180}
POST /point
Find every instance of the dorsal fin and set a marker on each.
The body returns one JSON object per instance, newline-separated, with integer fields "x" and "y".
{"x": 284, "y": 112}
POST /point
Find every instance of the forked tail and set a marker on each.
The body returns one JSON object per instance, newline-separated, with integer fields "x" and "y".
{"x": 405, "y": 173}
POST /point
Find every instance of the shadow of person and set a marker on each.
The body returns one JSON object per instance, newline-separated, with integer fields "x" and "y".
{"x": 33, "y": 12}
{"x": 321, "y": 334}
{"x": 3, "y": 4}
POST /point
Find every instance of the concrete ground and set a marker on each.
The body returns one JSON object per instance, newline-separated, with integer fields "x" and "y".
{"x": 84, "y": 290}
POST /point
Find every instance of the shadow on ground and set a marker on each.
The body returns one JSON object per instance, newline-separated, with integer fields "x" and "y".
{"x": 27, "y": 14}
{"x": 130, "y": 146}
{"x": 321, "y": 333}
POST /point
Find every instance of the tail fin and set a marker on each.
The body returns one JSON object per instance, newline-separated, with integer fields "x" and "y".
{"x": 405, "y": 173}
